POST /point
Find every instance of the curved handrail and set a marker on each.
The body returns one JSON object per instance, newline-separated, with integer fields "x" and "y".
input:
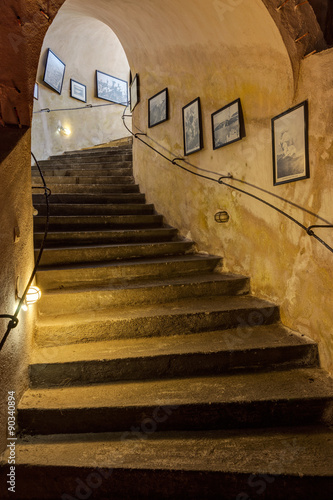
{"x": 220, "y": 180}
{"x": 14, "y": 318}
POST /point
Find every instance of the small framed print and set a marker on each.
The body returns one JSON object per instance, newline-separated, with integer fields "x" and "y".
{"x": 54, "y": 71}
{"x": 158, "y": 108}
{"x": 290, "y": 145}
{"x": 228, "y": 125}
{"x": 36, "y": 91}
{"x": 134, "y": 92}
{"x": 111, "y": 88}
{"x": 78, "y": 91}
{"x": 192, "y": 127}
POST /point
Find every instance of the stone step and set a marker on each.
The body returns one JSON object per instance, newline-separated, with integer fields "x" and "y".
{"x": 222, "y": 351}
{"x": 105, "y": 179}
{"x": 90, "y": 198}
{"x": 150, "y": 291}
{"x": 171, "y": 318}
{"x": 84, "y": 172}
{"x": 241, "y": 400}
{"x": 100, "y": 254}
{"x": 59, "y": 209}
{"x": 102, "y": 273}
{"x": 85, "y": 189}
{"x": 90, "y": 222}
{"x": 77, "y": 239}
{"x": 126, "y": 149}
{"x": 267, "y": 464}
{"x": 91, "y": 158}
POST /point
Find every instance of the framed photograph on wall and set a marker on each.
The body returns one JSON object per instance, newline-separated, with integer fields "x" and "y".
{"x": 111, "y": 88}
{"x": 78, "y": 91}
{"x": 36, "y": 91}
{"x": 228, "y": 125}
{"x": 158, "y": 108}
{"x": 134, "y": 92}
{"x": 54, "y": 71}
{"x": 290, "y": 145}
{"x": 192, "y": 127}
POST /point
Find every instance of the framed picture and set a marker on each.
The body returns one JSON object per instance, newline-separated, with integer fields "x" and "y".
{"x": 78, "y": 91}
{"x": 158, "y": 108}
{"x": 111, "y": 88}
{"x": 54, "y": 71}
{"x": 192, "y": 127}
{"x": 36, "y": 91}
{"x": 290, "y": 145}
{"x": 134, "y": 92}
{"x": 228, "y": 124}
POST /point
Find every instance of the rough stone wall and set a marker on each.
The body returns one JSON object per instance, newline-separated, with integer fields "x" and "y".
{"x": 219, "y": 50}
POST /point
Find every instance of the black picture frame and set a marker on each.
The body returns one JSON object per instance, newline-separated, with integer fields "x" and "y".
{"x": 36, "y": 91}
{"x": 54, "y": 71}
{"x": 290, "y": 145}
{"x": 192, "y": 127}
{"x": 134, "y": 92}
{"x": 158, "y": 108}
{"x": 112, "y": 89}
{"x": 78, "y": 90}
{"x": 228, "y": 124}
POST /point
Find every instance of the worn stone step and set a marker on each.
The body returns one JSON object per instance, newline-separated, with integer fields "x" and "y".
{"x": 95, "y": 209}
{"x": 125, "y": 149}
{"x": 90, "y": 198}
{"x": 267, "y": 464}
{"x": 105, "y": 179}
{"x": 170, "y": 318}
{"x": 259, "y": 399}
{"x": 222, "y": 351}
{"x": 77, "y": 222}
{"x": 102, "y": 273}
{"x": 85, "y": 189}
{"x": 101, "y": 254}
{"x": 104, "y": 237}
{"x": 93, "y": 297}
{"x": 78, "y": 171}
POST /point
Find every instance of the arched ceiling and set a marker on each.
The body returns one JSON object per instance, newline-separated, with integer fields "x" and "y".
{"x": 150, "y": 29}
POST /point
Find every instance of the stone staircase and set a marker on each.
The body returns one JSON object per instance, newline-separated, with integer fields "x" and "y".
{"x": 154, "y": 374}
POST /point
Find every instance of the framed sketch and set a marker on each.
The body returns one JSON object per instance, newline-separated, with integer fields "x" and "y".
{"x": 290, "y": 145}
{"x": 111, "y": 88}
{"x": 192, "y": 127}
{"x": 54, "y": 71}
{"x": 78, "y": 91}
{"x": 36, "y": 91}
{"x": 134, "y": 92}
{"x": 158, "y": 108}
{"x": 228, "y": 125}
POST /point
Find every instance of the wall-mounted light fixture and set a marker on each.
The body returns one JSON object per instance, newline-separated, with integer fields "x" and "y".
{"x": 221, "y": 216}
{"x": 33, "y": 295}
{"x": 63, "y": 130}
